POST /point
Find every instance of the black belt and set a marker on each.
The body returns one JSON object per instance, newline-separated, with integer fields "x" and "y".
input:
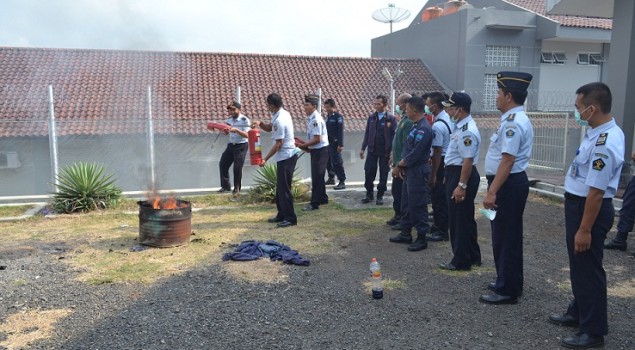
{"x": 238, "y": 143}
{"x": 491, "y": 177}
{"x": 573, "y": 197}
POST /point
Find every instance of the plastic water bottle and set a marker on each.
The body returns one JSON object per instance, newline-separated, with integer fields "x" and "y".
{"x": 375, "y": 279}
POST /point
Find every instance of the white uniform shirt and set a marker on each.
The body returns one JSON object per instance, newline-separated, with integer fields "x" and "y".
{"x": 441, "y": 132}
{"x": 515, "y": 136}
{"x": 283, "y": 129}
{"x": 598, "y": 161}
{"x": 241, "y": 123}
{"x": 317, "y": 126}
{"x": 464, "y": 142}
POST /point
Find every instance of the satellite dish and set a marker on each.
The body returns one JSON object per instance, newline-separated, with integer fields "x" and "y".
{"x": 391, "y": 14}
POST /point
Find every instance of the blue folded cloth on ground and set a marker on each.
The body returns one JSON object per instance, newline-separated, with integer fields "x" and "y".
{"x": 253, "y": 250}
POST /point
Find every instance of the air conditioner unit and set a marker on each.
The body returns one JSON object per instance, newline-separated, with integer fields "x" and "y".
{"x": 9, "y": 160}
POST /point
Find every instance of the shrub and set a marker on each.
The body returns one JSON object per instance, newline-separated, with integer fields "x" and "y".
{"x": 82, "y": 187}
{"x": 265, "y": 180}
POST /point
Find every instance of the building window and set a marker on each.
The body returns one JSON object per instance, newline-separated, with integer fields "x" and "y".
{"x": 490, "y": 92}
{"x": 502, "y": 56}
{"x": 553, "y": 57}
{"x": 588, "y": 58}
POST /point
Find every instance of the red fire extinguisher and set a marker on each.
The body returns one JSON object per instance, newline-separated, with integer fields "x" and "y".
{"x": 255, "y": 150}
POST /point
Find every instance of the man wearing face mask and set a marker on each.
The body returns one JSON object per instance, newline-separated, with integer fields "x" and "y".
{"x": 590, "y": 186}
{"x": 508, "y": 187}
{"x": 317, "y": 145}
{"x": 403, "y": 128}
{"x": 462, "y": 180}
{"x": 440, "y": 141}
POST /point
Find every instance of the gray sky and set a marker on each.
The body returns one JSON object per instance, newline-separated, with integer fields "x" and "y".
{"x": 294, "y": 27}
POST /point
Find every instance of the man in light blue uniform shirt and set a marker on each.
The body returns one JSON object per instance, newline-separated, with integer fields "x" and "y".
{"x": 462, "y": 180}
{"x": 590, "y": 186}
{"x": 316, "y": 144}
{"x": 236, "y": 149}
{"x": 284, "y": 150}
{"x": 508, "y": 187}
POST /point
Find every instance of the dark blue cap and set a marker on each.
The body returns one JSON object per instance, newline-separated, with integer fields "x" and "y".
{"x": 518, "y": 81}
{"x": 458, "y": 99}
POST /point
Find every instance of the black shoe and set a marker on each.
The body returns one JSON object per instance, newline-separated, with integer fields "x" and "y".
{"x": 438, "y": 237}
{"x": 285, "y": 223}
{"x": 393, "y": 221}
{"x": 615, "y": 245}
{"x": 450, "y": 267}
{"x": 379, "y": 201}
{"x": 274, "y": 219}
{"x": 477, "y": 263}
{"x": 583, "y": 341}
{"x": 223, "y": 190}
{"x": 367, "y": 199}
{"x": 497, "y": 299}
{"x": 330, "y": 181}
{"x": 310, "y": 208}
{"x": 564, "y": 320}
{"x": 396, "y": 227}
{"x": 492, "y": 286}
{"x": 401, "y": 238}
{"x": 419, "y": 244}
{"x": 326, "y": 201}
{"x": 340, "y": 186}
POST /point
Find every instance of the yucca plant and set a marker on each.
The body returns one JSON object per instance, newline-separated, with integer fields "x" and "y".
{"x": 83, "y": 187}
{"x": 265, "y": 184}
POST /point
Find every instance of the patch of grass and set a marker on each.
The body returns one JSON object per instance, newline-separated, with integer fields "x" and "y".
{"x": 26, "y": 327}
{"x": 13, "y": 210}
{"x": 388, "y": 285}
{"x": 20, "y": 282}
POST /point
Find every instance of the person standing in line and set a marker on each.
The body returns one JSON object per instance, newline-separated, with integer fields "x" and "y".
{"x": 462, "y": 180}
{"x": 284, "y": 150}
{"x": 335, "y": 130}
{"x": 441, "y": 140}
{"x": 508, "y": 187}
{"x": 590, "y": 186}
{"x": 627, "y": 217}
{"x": 380, "y": 130}
{"x": 317, "y": 145}
{"x": 403, "y": 128}
{"x": 414, "y": 170}
{"x": 236, "y": 149}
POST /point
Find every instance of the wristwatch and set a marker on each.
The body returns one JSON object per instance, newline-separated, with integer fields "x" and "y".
{"x": 462, "y": 185}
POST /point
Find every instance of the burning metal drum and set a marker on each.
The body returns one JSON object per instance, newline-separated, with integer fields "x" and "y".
{"x": 165, "y": 223}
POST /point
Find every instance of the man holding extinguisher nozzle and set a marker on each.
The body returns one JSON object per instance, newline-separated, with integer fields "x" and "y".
{"x": 236, "y": 149}
{"x": 284, "y": 150}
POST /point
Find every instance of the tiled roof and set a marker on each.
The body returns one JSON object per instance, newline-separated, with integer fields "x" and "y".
{"x": 538, "y": 6}
{"x": 105, "y": 91}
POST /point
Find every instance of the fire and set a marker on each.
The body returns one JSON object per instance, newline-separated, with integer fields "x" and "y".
{"x": 166, "y": 203}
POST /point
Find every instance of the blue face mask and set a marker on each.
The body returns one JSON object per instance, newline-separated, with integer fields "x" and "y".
{"x": 427, "y": 110}
{"x": 398, "y": 110}
{"x": 455, "y": 118}
{"x": 578, "y": 117}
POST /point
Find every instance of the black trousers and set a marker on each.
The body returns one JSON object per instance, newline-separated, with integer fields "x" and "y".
{"x": 627, "y": 213}
{"x": 335, "y": 165}
{"x": 414, "y": 201}
{"x": 284, "y": 198}
{"x": 234, "y": 153}
{"x": 396, "y": 188}
{"x": 439, "y": 200}
{"x": 507, "y": 234}
{"x": 463, "y": 229}
{"x": 370, "y": 169}
{"x": 588, "y": 279}
{"x": 319, "y": 158}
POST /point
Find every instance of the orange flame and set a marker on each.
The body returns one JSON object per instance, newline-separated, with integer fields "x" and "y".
{"x": 166, "y": 203}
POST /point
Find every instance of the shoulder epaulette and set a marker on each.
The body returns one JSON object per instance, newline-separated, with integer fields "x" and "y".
{"x": 602, "y": 139}
{"x": 464, "y": 127}
{"x": 511, "y": 117}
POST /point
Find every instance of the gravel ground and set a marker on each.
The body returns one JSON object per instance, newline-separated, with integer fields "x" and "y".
{"x": 325, "y": 305}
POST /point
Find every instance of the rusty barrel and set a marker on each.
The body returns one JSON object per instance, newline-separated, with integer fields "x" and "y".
{"x": 165, "y": 227}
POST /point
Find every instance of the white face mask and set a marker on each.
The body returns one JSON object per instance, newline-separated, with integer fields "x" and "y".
{"x": 455, "y": 118}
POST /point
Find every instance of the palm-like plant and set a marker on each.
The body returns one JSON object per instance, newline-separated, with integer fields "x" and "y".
{"x": 84, "y": 187}
{"x": 265, "y": 184}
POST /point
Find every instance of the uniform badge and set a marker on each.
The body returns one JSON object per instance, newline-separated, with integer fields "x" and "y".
{"x": 464, "y": 127}
{"x": 340, "y": 120}
{"x": 511, "y": 117}
{"x": 467, "y": 142}
{"x": 510, "y": 133}
{"x": 598, "y": 164}
{"x": 314, "y": 124}
{"x": 602, "y": 155}
{"x": 602, "y": 139}
{"x": 243, "y": 118}
{"x": 275, "y": 128}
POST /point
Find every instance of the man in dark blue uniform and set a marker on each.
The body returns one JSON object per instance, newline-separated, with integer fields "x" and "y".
{"x": 414, "y": 169}
{"x": 508, "y": 187}
{"x": 590, "y": 186}
{"x": 335, "y": 129}
{"x": 627, "y": 217}
{"x": 380, "y": 130}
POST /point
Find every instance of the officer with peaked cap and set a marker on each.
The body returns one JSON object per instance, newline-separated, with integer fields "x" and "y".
{"x": 508, "y": 187}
